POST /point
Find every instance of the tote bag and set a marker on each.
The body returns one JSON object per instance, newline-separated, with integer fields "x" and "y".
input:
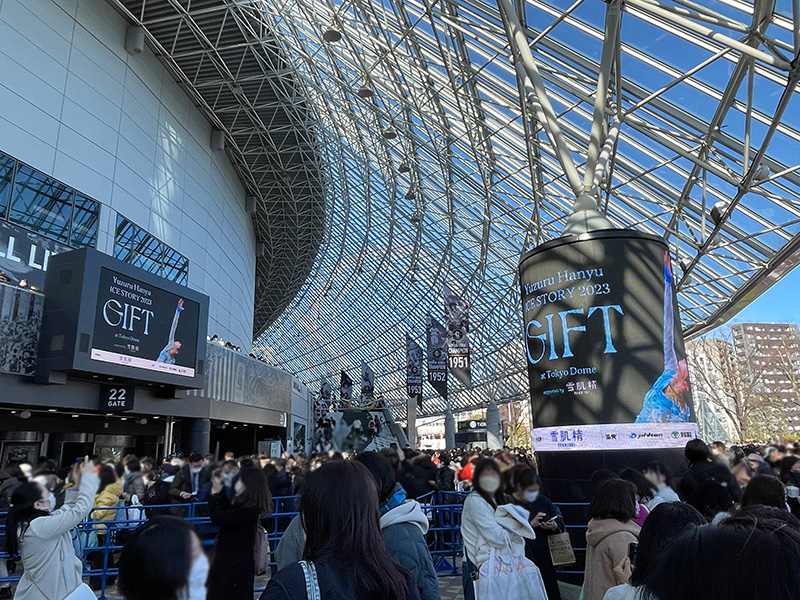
{"x": 561, "y": 551}
{"x": 506, "y": 576}
{"x": 261, "y": 551}
{"x": 82, "y": 592}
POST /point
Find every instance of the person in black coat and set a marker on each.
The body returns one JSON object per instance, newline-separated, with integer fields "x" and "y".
{"x": 190, "y": 480}
{"x": 232, "y": 572}
{"x": 156, "y": 494}
{"x": 702, "y": 470}
{"x": 422, "y": 478}
{"x": 546, "y": 520}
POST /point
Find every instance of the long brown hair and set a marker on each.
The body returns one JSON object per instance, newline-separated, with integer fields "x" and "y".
{"x": 256, "y": 491}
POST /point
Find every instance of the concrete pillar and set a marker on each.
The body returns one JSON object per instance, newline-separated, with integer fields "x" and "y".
{"x": 411, "y": 423}
{"x": 197, "y": 435}
{"x": 449, "y": 430}
{"x": 494, "y": 437}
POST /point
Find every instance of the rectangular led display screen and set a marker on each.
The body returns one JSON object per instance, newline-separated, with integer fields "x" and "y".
{"x": 143, "y": 326}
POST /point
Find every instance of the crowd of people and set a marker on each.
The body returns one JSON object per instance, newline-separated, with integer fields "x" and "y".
{"x": 725, "y": 523}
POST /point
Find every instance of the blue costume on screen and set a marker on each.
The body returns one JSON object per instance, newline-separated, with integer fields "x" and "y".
{"x": 658, "y": 406}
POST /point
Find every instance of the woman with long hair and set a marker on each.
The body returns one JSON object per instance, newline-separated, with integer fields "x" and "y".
{"x": 233, "y": 571}
{"x": 752, "y": 554}
{"x": 51, "y": 569}
{"x": 479, "y": 529}
{"x": 667, "y": 522}
{"x": 163, "y": 560}
{"x": 344, "y": 551}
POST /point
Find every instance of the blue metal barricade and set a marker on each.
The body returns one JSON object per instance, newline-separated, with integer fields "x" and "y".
{"x": 96, "y": 539}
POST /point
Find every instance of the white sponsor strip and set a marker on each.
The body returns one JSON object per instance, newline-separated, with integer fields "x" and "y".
{"x": 621, "y": 436}
{"x": 140, "y": 363}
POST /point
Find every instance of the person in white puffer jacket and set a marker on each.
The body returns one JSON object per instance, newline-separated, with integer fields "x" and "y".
{"x": 51, "y": 569}
{"x": 479, "y": 528}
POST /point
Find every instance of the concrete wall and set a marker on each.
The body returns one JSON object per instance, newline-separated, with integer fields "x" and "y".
{"x": 75, "y": 105}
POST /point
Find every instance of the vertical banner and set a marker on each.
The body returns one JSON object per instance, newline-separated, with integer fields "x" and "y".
{"x": 325, "y": 391}
{"x": 345, "y": 389}
{"x": 456, "y": 312}
{"x": 436, "y": 340}
{"x": 367, "y": 386}
{"x": 323, "y": 405}
{"x": 414, "y": 370}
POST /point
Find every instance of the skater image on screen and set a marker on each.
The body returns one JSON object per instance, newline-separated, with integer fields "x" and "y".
{"x": 665, "y": 401}
{"x": 172, "y": 348}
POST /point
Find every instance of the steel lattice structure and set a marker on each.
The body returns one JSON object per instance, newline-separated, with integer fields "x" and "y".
{"x": 443, "y": 138}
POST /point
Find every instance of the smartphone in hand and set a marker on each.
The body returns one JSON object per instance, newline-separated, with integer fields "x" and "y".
{"x": 633, "y": 548}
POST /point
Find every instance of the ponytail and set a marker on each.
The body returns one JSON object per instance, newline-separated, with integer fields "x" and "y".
{"x": 21, "y": 513}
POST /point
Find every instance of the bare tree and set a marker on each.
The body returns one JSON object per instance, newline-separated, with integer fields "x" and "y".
{"x": 516, "y": 415}
{"x": 738, "y": 380}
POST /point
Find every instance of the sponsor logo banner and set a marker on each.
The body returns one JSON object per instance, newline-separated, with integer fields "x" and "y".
{"x": 621, "y": 436}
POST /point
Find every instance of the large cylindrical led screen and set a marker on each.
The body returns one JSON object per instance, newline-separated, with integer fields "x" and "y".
{"x": 603, "y": 344}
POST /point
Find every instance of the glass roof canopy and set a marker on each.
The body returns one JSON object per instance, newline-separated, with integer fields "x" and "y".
{"x": 692, "y": 88}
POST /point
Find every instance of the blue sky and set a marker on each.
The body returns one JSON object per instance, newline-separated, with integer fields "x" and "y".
{"x": 779, "y": 304}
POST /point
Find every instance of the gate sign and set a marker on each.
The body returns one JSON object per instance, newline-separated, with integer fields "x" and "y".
{"x": 116, "y": 398}
{"x": 602, "y": 335}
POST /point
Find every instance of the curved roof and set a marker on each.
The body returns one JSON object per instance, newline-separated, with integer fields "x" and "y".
{"x": 704, "y": 96}
{"x": 225, "y": 58}
{"x": 444, "y": 159}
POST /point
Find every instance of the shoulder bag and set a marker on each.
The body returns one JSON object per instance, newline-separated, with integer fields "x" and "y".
{"x": 261, "y": 551}
{"x": 312, "y": 584}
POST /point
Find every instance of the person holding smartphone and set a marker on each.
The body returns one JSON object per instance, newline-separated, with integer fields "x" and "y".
{"x": 546, "y": 520}
{"x": 41, "y": 535}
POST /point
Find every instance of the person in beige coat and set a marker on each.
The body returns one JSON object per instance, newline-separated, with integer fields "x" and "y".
{"x": 51, "y": 570}
{"x": 611, "y": 529}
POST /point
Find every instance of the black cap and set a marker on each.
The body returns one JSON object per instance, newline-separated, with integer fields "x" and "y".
{"x": 195, "y": 457}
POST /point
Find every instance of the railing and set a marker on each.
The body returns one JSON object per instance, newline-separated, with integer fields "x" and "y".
{"x": 96, "y": 539}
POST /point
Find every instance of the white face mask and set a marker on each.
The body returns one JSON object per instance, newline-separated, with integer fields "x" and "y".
{"x": 227, "y": 479}
{"x": 530, "y": 496}
{"x": 195, "y": 470}
{"x": 196, "y": 587}
{"x": 489, "y": 484}
{"x": 51, "y": 503}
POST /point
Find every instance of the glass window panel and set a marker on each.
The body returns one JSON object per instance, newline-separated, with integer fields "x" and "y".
{"x": 6, "y": 174}
{"x": 135, "y": 246}
{"x": 41, "y": 204}
{"x": 176, "y": 266}
{"x": 84, "y": 222}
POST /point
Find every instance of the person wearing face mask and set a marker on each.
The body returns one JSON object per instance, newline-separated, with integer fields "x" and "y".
{"x": 545, "y": 518}
{"x": 163, "y": 560}
{"x": 479, "y": 529}
{"x": 658, "y": 474}
{"x": 107, "y": 497}
{"x": 233, "y": 572}
{"x": 190, "y": 480}
{"x": 42, "y": 537}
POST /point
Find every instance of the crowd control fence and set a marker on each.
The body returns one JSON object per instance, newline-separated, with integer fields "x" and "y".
{"x": 96, "y": 540}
